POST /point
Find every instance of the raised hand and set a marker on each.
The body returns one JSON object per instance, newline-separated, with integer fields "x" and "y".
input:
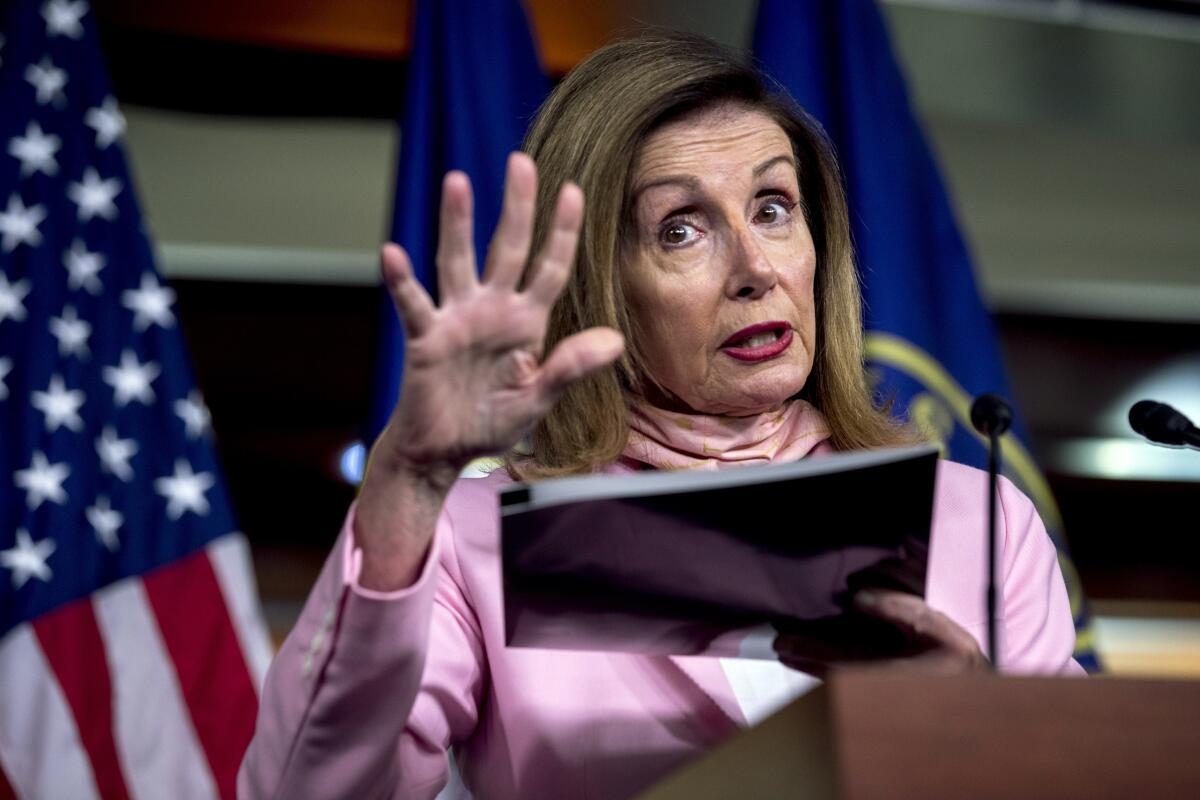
{"x": 474, "y": 378}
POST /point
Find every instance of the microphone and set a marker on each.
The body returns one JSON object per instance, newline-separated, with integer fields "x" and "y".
{"x": 989, "y": 413}
{"x": 1162, "y": 424}
{"x": 991, "y": 416}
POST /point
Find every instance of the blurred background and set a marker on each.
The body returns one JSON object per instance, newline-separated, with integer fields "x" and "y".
{"x": 263, "y": 143}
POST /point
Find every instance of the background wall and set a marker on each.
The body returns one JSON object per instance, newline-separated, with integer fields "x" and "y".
{"x": 1072, "y": 145}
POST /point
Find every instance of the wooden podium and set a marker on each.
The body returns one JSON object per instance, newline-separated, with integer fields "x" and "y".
{"x": 888, "y": 734}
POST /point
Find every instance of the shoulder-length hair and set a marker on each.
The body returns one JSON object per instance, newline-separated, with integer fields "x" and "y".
{"x": 590, "y": 131}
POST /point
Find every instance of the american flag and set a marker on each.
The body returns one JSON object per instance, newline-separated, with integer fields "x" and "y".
{"x": 131, "y": 643}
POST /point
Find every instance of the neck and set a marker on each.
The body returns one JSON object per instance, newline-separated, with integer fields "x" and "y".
{"x": 662, "y": 400}
{"x": 668, "y": 439}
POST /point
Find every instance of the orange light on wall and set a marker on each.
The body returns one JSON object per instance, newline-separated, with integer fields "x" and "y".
{"x": 566, "y": 32}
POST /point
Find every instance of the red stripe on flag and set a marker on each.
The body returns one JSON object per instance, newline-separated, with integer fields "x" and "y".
{"x": 208, "y": 659}
{"x": 70, "y": 638}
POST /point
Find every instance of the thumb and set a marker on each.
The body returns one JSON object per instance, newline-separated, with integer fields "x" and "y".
{"x": 575, "y": 357}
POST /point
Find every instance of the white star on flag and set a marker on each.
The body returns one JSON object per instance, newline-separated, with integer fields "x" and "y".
{"x": 27, "y": 559}
{"x": 60, "y": 406}
{"x": 105, "y": 521}
{"x": 115, "y": 453}
{"x": 83, "y": 268}
{"x": 62, "y": 17}
{"x": 11, "y": 295}
{"x": 131, "y": 380}
{"x": 35, "y": 150}
{"x": 150, "y": 303}
{"x": 107, "y": 121}
{"x": 48, "y": 80}
{"x": 5, "y": 368}
{"x": 20, "y": 224}
{"x": 185, "y": 490}
{"x": 42, "y": 481}
{"x": 95, "y": 196}
{"x": 71, "y": 332}
{"x": 195, "y": 415}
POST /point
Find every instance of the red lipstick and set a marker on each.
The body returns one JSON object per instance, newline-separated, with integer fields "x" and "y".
{"x": 738, "y": 345}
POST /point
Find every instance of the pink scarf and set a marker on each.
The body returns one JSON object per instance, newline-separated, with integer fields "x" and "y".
{"x": 671, "y": 440}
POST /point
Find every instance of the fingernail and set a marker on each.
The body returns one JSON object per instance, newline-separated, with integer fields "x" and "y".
{"x": 866, "y": 599}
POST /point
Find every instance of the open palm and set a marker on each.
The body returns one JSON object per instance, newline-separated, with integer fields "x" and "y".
{"x": 474, "y": 378}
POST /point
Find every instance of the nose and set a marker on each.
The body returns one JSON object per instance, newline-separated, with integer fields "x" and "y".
{"x": 751, "y": 273}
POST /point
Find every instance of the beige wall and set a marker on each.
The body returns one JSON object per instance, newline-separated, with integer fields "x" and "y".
{"x": 1071, "y": 145}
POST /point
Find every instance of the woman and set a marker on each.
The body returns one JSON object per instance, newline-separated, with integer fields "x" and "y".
{"x": 712, "y": 319}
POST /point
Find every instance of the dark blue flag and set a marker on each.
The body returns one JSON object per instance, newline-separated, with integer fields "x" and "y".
{"x": 930, "y": 340}
{"x": 123, "y": 583}
{"x": 474, "y": 84}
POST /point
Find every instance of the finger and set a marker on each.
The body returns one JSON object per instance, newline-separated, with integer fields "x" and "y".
{"x": 576, "y": 356}
{"x": 413, "y": 304}
{"x": 941, "y": 661}
{"x": 805, "y": 653}
{"x": 552, "y": 266}
{"x": 456, "y": 245}
{"x": 904, "y": 610}
{"x": 510, "y": 246}
{"x": 818, "y": 669}
{"x": 913, "y": 615}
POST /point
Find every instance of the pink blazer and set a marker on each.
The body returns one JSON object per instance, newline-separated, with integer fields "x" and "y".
{"x": 370, "y": 690}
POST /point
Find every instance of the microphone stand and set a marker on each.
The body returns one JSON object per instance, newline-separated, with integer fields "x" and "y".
{"x": 993, "y": 489}
{"x": 991, "y": 416}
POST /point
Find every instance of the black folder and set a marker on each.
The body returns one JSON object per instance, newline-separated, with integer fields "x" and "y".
{"x": 717, "y": 563}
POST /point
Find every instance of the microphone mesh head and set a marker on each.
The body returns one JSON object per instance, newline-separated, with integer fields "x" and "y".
{"x": 1159, "y": 422}
{"x": 990, "y": 414}
{"x": 1139, "y": 416}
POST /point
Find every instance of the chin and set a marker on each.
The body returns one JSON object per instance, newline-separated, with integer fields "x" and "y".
{"x": 755, "y": 399}
{"x": 770, "y": 391}
{"x": 739, "y": 393}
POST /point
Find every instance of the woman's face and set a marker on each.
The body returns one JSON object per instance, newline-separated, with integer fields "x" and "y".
{"x": 720, "y": 273}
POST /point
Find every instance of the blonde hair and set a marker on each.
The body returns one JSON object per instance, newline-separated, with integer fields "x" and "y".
{"x": 590, "y": 131}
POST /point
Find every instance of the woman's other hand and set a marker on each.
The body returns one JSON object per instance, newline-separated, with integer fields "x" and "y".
{"x": 474, "y": 378}
{"x": 925, "y": 639}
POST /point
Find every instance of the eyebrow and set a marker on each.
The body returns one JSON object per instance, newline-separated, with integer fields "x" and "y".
{"x": 692, "y": 182}
{"x": 766, "y": 165}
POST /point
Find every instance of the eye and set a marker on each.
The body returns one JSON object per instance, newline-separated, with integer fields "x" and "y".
{"x": 677, "y": 233}
{"x": 777, "y": 209}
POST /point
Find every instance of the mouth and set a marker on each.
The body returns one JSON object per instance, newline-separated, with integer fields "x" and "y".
{"x": 758, "y": 342}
